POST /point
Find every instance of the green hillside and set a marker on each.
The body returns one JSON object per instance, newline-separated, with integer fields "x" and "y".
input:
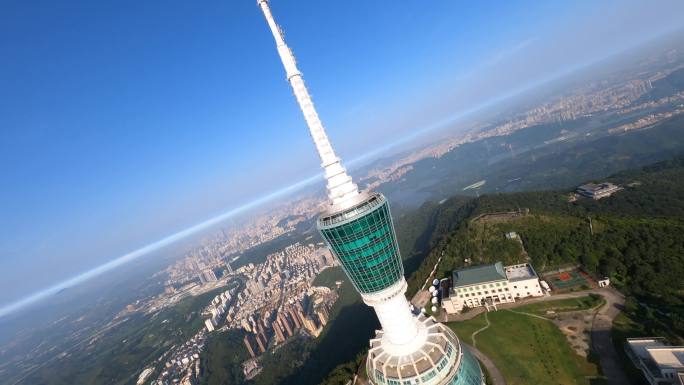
{"x": 637, "y": 237}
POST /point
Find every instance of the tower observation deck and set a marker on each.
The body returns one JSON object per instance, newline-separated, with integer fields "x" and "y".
{"x": 357, "y": 226}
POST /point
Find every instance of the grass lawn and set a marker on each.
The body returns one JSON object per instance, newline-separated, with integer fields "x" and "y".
{"x": 563, "y": 305}
{"x": 528, "y": 350}
{"x": 465, "y": 329}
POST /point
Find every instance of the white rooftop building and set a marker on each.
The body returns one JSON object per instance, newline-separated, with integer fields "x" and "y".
{"x": 209, "y": 325}
{"x": 660, "y": 363}
{"x": 488, "y": 285}
{"x": 598, "y": 191}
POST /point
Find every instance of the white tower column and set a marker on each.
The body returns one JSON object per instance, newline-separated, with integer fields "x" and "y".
{"x": 340, "y": 186}
{"x": 399, "y": 325}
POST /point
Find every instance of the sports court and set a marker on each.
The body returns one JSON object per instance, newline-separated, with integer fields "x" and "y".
{"x": 569, "y": 280}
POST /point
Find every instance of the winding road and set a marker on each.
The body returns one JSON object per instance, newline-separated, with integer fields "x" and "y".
{"x": 601, "y": 341}
{"x": 494, "y": 373}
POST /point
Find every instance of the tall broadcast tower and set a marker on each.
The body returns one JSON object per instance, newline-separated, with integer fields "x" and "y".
{"x": 357, "y": 226}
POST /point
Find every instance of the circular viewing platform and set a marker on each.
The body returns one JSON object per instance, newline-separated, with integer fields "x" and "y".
{"x": 440, "y": 360}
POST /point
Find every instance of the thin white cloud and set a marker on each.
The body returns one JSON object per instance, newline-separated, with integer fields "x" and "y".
{"x": 505, "y": 53}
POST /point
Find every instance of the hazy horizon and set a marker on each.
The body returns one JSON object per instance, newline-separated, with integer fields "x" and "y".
{"x": 111, "y": 156}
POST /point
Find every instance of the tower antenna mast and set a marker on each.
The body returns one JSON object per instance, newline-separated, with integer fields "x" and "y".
{"x": 340, "y": 186}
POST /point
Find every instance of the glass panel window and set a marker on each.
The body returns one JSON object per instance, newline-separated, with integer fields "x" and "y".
{"x": 365, "y": 244}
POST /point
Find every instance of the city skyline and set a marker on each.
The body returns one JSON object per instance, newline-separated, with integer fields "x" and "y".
{"x": 31, "y": 249}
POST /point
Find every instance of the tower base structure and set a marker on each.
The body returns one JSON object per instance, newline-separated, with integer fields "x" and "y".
{"x": 440, "y": 359}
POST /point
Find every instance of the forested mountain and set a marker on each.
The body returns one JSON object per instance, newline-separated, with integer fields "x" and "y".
{"x": 635, "y": 237}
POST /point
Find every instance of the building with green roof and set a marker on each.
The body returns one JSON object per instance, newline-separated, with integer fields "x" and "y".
{"x": 489, "y": 285}
{"x": 478, "y": 274}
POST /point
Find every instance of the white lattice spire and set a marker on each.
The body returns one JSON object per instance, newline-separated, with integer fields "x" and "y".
{"x": 340, "y": 185}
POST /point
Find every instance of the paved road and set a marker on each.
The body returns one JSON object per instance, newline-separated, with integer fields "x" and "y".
{"x": 601, "y": 341}
{"x": 494, "y": 373}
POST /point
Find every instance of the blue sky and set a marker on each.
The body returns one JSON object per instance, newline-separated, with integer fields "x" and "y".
{"x": 124, "y": 122}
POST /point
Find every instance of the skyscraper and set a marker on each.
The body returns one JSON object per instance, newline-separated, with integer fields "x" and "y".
{"x": 280, "y": 337}
{"x": 261, "y": 342}
{"x": 357, "y": 226}
{"x": 248, "y": 345}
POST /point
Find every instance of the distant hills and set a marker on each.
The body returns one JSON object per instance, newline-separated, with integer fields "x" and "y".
{"x": 542, "y": 157}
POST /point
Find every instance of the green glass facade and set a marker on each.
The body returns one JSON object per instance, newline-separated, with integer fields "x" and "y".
{"x": 362, "y": 238}
{"x": 469, "y": 372}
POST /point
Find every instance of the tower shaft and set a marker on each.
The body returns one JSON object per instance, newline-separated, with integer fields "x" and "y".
{"x": 339, "y": 184}
{"x": 358, "y": 228}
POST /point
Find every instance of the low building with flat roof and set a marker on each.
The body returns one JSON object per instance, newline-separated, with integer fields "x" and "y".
{"x": 660, "y": 363}
{"x": 598, "y": 190}
{"x": 491, "y": 284}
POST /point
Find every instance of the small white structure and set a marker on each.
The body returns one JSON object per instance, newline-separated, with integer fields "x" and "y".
{"x": 488, "y": 285}
{"x": 512, "y": 235}
{"x": 604, "y": 282}
{"x": 660, "y": 363}
{"x": 209, "y": 325}
{"x": 545, "y": 285}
